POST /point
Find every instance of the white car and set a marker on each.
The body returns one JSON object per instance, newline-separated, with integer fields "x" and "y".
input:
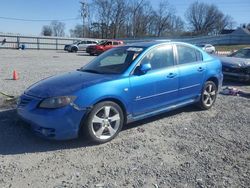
{"x": 209, "y": 48}
{"x": 81, "y": 45}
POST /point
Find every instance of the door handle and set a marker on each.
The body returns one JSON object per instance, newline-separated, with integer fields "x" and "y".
{"x": 171, "y": 75}
{"x": 200, "y": 69}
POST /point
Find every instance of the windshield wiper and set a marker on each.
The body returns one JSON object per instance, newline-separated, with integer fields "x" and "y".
{"x": 89, "y": 70}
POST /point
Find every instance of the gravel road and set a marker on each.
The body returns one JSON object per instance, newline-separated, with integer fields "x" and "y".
{"x": 182, "y": 148}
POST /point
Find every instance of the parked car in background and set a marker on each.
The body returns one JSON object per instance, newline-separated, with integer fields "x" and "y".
{"x": 209, "y": 48}
{"x": 237, "y": 65}
{"x": 81, "y": 45}
{"x": 122, "y": 85}
{"x": 103, "y": 46}
{"x": 66, "y": 47}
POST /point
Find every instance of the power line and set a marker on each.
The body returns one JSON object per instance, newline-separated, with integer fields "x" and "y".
{"x": 37, "y": 20}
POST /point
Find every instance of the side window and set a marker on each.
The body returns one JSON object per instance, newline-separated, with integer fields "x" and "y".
{"x": 115, "y": 43}
{"x": 89, "y": 42}
{"x": 109, "y": 43}
{"x": 186, "y": 54}
{"x": 160, "y": 57}
{"x": 83, "y": 42}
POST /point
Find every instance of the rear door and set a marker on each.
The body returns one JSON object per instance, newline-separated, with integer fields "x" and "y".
{"x": 82, "y": 45}
{"x": 191, "y": 71}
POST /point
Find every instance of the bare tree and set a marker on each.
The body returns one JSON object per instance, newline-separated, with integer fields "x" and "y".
{"x": 137, "y": 18}
{"x": 135, "y": 8}
{"x": 104, "y": 15}
{"x": 204, "y": 18}
{"x": 164, "y": 17}
{"x": 177, "y": 25}
{"x": 77, "y": 31}
{"x": 46, "y": 30}
{"x": 119, "y": 10}
{"x": 58, "y": 28}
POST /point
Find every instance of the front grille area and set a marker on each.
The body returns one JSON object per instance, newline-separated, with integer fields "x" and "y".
{"x": 235, "y": 70}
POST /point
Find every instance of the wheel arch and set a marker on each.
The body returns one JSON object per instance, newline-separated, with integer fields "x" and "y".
{"x": 118, "y": 102}
{"x": 215, "y": 80}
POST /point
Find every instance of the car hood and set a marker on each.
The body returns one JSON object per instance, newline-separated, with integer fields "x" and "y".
{"x": 235, "y": 62}
{"x": 66, "y": 84}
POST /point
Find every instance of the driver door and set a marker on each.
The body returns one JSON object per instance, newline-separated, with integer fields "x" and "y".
{"x": 158, "y": 87}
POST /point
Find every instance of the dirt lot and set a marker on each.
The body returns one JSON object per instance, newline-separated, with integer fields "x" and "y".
{"x": 183, "y": 148}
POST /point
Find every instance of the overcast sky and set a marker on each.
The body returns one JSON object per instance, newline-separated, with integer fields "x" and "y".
{"x": 65, "y": 9}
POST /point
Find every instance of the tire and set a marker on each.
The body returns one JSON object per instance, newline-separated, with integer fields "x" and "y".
{"x": 91, "y": 54}
{"x": 208, "y": 95}
{"x": 74, "y": 49}
{"x": 104, "y": 122}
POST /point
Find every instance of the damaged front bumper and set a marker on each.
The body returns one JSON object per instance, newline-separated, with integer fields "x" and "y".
{"x": 59, "y": 124}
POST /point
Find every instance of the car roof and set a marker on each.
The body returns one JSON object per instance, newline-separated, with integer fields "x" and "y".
{"x": 113, "y": 40}
{"x": 153, "y": 43}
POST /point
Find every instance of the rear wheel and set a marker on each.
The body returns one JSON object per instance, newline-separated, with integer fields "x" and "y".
{"x": 104, "y": 122}
{"x": 208, "y": 95}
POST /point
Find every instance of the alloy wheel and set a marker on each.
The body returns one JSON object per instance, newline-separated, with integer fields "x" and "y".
{"x": 209, "y": 95}
{"x": 105, "y": 122}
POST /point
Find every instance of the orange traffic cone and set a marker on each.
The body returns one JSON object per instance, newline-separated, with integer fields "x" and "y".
{"x": 15, "y": 75}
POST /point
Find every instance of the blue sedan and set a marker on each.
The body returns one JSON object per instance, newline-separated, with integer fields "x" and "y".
{"x": 124, "y": 84}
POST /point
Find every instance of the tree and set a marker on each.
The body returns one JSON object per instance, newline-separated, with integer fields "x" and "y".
{"x": 46, "y": 30}
{"x": 164, "y": 17}
{"x": 77, "y": 31}
{"x": 206, "y": 19}
{"x": 58, "y": 28}
{"x": 119, "y": 10}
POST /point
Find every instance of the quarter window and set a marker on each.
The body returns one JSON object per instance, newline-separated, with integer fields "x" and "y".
{"x": 160, "y": 57}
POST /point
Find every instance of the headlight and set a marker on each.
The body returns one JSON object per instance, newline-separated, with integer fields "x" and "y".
{"x": 57, "y": 102}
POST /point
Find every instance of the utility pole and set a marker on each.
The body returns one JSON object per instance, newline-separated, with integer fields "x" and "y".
{"x": 84, "y": 15}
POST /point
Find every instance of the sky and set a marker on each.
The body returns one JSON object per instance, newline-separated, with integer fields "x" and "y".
{"x": 67, "y": 9}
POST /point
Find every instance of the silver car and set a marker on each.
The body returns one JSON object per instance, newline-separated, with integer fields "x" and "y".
{"x": 81, "y": 45}
{"x": 209, "y": 48}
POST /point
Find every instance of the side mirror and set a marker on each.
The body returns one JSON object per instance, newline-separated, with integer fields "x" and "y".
{"x": 143, "y": 69}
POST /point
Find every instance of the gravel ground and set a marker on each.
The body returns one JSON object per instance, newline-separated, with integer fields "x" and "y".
{"x": 183, "y": 148}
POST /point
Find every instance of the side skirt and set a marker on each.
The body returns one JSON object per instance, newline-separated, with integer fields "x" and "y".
{"x": 131, "y": 118}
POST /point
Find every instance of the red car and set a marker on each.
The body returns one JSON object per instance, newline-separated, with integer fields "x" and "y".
{"x": 103, "y": 46}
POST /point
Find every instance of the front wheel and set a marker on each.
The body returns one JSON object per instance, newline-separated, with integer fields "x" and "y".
{"x": 104, "y": 122}
{"x": 208, "y": 95}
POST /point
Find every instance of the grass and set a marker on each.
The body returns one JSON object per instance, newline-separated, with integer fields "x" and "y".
{"x": 230, "y": 47}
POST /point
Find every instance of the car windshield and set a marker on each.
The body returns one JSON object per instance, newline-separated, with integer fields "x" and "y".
{"x": 114, "y": 61}
{"x": 103, "y": 42}
{"x": 76, "y": 42}
{"x": 242, "y": 53}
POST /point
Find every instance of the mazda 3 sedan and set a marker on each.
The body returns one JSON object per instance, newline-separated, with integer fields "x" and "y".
{"x": 124, "y": 84}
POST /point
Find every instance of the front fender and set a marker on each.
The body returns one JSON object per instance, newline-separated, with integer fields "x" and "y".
{"x": 115, "y": 89}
